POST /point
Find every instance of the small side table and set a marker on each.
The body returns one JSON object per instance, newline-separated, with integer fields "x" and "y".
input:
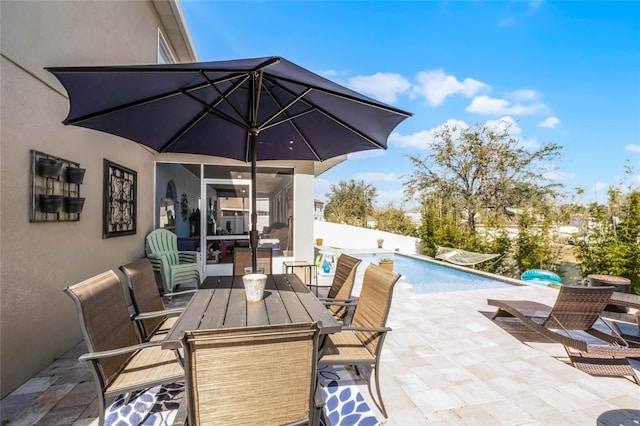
{"x": 309, "y": 271}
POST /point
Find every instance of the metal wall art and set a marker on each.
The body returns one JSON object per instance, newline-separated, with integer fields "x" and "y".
{"x": 119, "y": 202}
{"x": 55, "y": 189}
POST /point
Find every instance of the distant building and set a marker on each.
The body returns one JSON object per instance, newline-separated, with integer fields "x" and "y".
{"x": 318, "y": 209}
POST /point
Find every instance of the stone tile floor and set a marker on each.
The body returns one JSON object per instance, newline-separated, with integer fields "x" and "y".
{"x": 445, "y": 363}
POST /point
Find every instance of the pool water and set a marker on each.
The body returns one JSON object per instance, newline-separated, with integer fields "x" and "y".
{"x": 429, "y": 277}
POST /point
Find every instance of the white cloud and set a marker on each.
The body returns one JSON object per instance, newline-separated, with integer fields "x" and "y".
{"x": 394, "y": 196}
{"x": 328, "y": 73}
{"x": 549, "y": 122}
{"x": 423, "y": 138}
{"x": 376, "y": 177}
{"x": 599, "y": 186}
{"x": 435, "y": 86}
{"x": 363, "y": 155}
{"x": 632, "y": 148}
{"x": 524, "y": 95}
{"x": 486, "y": 105}
{"x": 557, "y": 175}
{"x": 506, "y": 22}
{"x": 382, "y": 86}
{"x": 502, "y": 123}
{"x": 322, "y": 187}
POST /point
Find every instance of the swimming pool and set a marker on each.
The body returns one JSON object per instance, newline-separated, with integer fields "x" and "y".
{"x": 430, "y": 277}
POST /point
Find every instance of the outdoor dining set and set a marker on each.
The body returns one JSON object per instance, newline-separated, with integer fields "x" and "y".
{"x": 241, "y": 360}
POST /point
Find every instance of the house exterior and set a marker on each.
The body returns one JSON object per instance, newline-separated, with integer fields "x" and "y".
{"x": 41, "y": 254}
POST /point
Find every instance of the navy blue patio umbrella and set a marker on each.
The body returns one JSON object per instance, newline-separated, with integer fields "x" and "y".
{"x": 246, "y": 109}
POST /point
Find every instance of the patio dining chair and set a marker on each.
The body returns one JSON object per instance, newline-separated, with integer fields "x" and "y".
{"x": 574, "y": 320}
{"x": 242, "y": 259}
{"x": 172, "y": 267}
{"x": 338, "y": 299}
{"x": 120, "y": 363}
{"x": 262, "y": 375}
{"x": 360, "y": 343}
{"x": 153, "y": 318}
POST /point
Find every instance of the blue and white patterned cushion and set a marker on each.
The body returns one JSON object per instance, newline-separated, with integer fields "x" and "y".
{"x": 156, "y": 406}
{"x": 344, "y": 403}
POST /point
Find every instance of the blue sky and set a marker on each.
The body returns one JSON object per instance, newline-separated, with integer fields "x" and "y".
{"x": 563, "y": 72}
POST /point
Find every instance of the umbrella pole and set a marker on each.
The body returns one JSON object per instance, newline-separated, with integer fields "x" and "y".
{"x": 253, "y": 234}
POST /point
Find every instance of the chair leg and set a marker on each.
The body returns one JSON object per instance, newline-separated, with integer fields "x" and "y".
{"x": 382, "y": 407}
{"x": 101, "y": 409}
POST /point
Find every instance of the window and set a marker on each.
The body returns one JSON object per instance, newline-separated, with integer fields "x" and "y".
{"x": 164, "y": 52}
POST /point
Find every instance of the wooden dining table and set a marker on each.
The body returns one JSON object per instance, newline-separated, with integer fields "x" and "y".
{"x": 220, "y": 302}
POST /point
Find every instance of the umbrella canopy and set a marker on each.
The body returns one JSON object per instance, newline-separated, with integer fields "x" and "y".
{"x": 247, "y": 109}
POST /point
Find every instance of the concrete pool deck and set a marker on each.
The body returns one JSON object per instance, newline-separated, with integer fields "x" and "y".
{"x": 444, "y": 363}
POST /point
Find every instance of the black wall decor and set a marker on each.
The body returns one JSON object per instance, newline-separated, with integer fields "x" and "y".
{"x": 55, "y": 189}
{"x": 119, "y": 200}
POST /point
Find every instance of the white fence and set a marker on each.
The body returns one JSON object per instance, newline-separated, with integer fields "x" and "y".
{"x": 353, "y": 237}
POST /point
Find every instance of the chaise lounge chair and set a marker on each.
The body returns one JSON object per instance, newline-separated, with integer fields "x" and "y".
{"x": 572, "y": 322}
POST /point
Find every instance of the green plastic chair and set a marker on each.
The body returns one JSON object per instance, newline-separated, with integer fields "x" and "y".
{"x": 172, "y": 267}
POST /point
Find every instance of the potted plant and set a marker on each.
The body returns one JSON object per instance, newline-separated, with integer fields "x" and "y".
{"x": 319, "y": 241}
{"x": 386, "y": 263}
{"x": 380, "y": 241}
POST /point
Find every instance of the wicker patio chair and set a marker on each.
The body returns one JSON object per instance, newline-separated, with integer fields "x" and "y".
{"x": 360, "y": 344}
{"x": 242, "y": 259}
{"x": 260, "y": 375}
{"x": 573, "y": 319}
{"x": 172, "y": 267}
{"x": 119, "y": 362}
{"x": 147, "y": 301}
{"x": 338, "y": 299}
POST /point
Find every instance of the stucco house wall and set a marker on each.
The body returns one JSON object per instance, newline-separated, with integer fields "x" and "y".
{"x": 38, "y": 260}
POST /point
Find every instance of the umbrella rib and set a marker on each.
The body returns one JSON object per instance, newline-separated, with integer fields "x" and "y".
{"x": 181, "y": 132}
{"x": 224, "y": 98}
{"x": 283, "y": 110}
{"x": 331, "y": 117}
{"x": 145, "y": 101}
{"x": 371, "y": 103}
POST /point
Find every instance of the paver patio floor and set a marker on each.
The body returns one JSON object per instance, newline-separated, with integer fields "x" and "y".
{"x": 445, "y": 363}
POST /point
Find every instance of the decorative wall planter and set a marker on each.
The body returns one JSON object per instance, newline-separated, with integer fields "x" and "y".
{"x": 75, "y": 175}
{"x": 49, "y": 167}
{"x": 73, "y": 204}
{"x": 53, "y": 181}
{"x": 50, "y": 203}
{"x": 386, "y": 264}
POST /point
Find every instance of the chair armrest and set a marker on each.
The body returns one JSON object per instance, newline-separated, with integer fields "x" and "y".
{"x": 155, "y": 314}
{"x": 319, "y": 285}
{"x": 119, "y": 351}
{"x": 189, "y": 256}
{"x": 371, "y": 329}
{"x": 338, "y": 302}
{"x": 179, "y": 293}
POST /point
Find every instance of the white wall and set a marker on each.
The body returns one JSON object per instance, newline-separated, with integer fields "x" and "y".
{"x": 353, "y": 237}
{"x": 38, "y": 260}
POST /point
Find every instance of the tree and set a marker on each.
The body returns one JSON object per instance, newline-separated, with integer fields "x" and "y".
{"x": 482, "y": 169}
{"x": 394, "y": 220}
{"x": 612, "y": 244}
{"x": 350, "y": 202}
